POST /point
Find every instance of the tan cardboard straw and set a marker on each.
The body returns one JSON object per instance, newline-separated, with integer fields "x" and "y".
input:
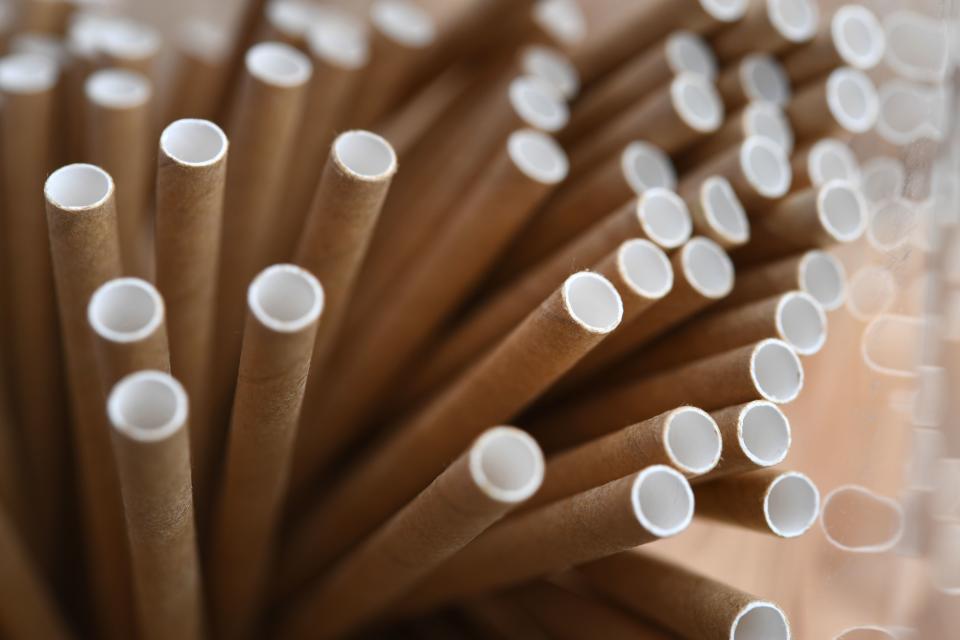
{"x": 199, "y": 70}
{"x": 755, "y": 435}
{"x": 501, "y": 469}
{"x": 689, "y": 604}
{"x": 756, "y": 76}
{"x": 85, "y": 248}
{"x": 781, "y": 503}
{"x": 148, "y": 411}
{"x": 770, "y": 26}
{"x": 717, "y": 213}
{"x": 853, "y": 36}
{"x": 129, "y": 44}
{"x": 407, "y": 125}
{"x": 844, "y": 102}
{"x": 567, "y": 325}
{"x": 814, "y": 272}
{"x": 552, "y": 65}
{"x": 820, "y": 161}
{"x": 644, "y": 507}
{"x": 120, "y": 128}
{"x": 284, "y": 306}
{"x": 757, "y": 118}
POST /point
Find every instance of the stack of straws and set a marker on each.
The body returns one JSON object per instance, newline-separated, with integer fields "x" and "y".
{"x": 253, "y": 376}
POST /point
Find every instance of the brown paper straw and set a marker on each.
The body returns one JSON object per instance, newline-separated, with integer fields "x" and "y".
{"x": 120, "y": 127}
{"x": 516, "y": 181}
{"x": 553, "y": 66}
{"x": 717, "y": 214}
{"x": 129, "y": 44}
{"x": 814, "y": 272}
{"x": 770, "y": 26}
{"x": 86, "y": 253}
{"x": 673, "y": 118}
{"x": 127, "y": 318}
{"x": 757, "y": 76}
{"x": 644, "y": 507}
{"x": 148, "y": 411}
{"x": 644, "y": 74}
{"x": 689, "y": 604}
{"x": 12, "y": 475}
{"x": 823, "y": 160}
{"x": 686, "y": 439}
{"x": 845, "y": 102}
{"x": 758, "y": 170}
{"x": 246, "y": 28}
{"x": 755, "y": 435}
{"x": 284, "y": 307}
{"x": 502, "y": 469}
{"x": 289, "y": 21}
{"x": 782, "y": 503}
{"x": 407, "y": 125}
{"x": 567, "y": 325}
{"x": 27, "y": 609}
{"x": 27, "y": 87}
{"x": 191, "y": 173}
{"x": 199, "y": 70}
{"x": 853, "y": 36}
{"x": 44, "y": 16}
{"x": 768, "y": 370}
{"x": 763, "y": 119}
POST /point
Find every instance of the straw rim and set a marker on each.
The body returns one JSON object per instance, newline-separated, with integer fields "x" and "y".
{"x": 670, "y": 432}
{"x": 579, "y": 310}
{"x": 86, "y": 203}
{"x": 304, "y": 280}
{"x": 117, "y": 88}
{"x": 636, "y": 499}
{"x": 350, "y": 145}
{"x": 493, "y": 489}
{"x": 786, "y": 326}
{"x": 100, "y": 298}
{"x": 659, "y": 163}
{"x": 867, "y": 20}
{"x": 795, "y": 529}
{"x": 140, "y": 433}
{"x": 404, "y": 22}
{"x": 787, "y": 385}
{"x": 754, "y": 606}
{"x": 170, "y": 143}
{"x": 278, "y": 64}
{"x": 743, "y": 435}
{"x": 27, "y": 73}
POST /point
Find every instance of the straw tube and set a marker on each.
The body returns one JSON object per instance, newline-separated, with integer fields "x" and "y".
{"x": 770, "y": 26}
{"x": 846, "y": 102}
{"x": 653, "y": 504}
{"x": 815, "y": 272}
{"x": 191, "y": 177}
{"x": 501, "y": 469}
{"x": 673, "y": 118}
{"x": 284, "y": 307}
{"x": 853, "y": 37}
{"x": 127, "y": 318}
{"x": 199, "y": 70}
{"x": 567, "y": 325}
{"x": 148, "y": 411}
{"x": 686, "y": 439}
{"x": 756, "y": 76}
{"x": 782, "y": 503}
{"x": 755, "y": 435}
{"x": 82, "y": 223}
{"x": 689, "y": 604}
{"x": 763, "y": 119}
{"x": 129, "y": 44}
{"x": 820, "y": 161}
{"x": 717, "y": 214}
{"x": 119, "y": 120}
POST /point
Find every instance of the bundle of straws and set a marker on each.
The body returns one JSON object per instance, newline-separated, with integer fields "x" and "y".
{"x": 265, "y": 316}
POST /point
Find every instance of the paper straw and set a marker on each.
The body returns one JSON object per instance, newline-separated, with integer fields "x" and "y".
{"x": 284, "y": 306}
{"x": 12, "y": 476}
{"x": 644, "y": 507}
{"x": 756, "y": 76}
{"x": 853, "y": 37}
{"x": 148, "y": 411}
{"x": 846, "y": 102}
{"x": 46, "y": 16}
{"x": 553, "y": 66}
{"x": 820, "y": 161}
{"x": 129, "y": 44}
{"x": 85, "y": 248}
{"x": 770, "y": 26}
{"x": 763, "y": 119}
{"x": 201, "y": 50}
{"x": 516, "y": 181}
{"x": 673, "y": 119}
{"x": 644, "y": 74}
{"x": 289, "y": 21}
{"x": 717, "y": 214}
{"x": 502, "y": 469}
{"x": 686, "y": 439}
{"x": 689, "y": 604}
{"x": 782, "y": 503}
{"x": 415, "y": 119}
{"x": 245, "y": 32}
{"x": 755, "y": 435}
{"x": 127, "y": 318}
{"x": 191, "y": 174}
{"x": 119, "y": 125}
{"x": 567, "y": 325}
{"x": 814, "y": 272}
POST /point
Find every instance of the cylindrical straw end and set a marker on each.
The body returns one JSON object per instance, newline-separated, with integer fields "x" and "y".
{"x": 148, "y": 406}
{"x": 125, "y": 310}
{"x": 507, "y": 464}
{"x": 791, "y": 504}
{"x": 285, "y": 298}
{"x": 193, "y": 142}
{"x": 78, "y": 187}
{"x": 662, "y": 501}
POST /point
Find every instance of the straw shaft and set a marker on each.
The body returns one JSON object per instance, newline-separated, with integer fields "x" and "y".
{"x": 755, "y": 31}
{"x": 766, "y": 280}
{"x": 197, "y": 79}
{"x": 406, "y": 126}
{"x": 733, "y": 458}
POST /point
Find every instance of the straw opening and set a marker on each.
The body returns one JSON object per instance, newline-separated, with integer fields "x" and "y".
{"x": 822, "y": 276}
{"x": 507, "y": 464}
{"x": 693, "y": 440}
{"x": 687, "y": 51}
{"x": 593, "y": 302}
{"x": 125, "y": 310}
{"x": 852, "y": 99}
{"x": 764, "y": 433}
{"x": 645, "y": 166}
{"x": 78, "y": 186}
{"x": 697, "y": 102}
{"x": 760, "y": 621}
{"x": 285, "y": 298}
{"x": 765, "y": 166}
{"x": 278, "y": 64}
{"x": 194, "y": 142}
{"x": 664, "y": 217}
{"x": 404, "y": 22}
{"x": 767, "y": 120}
{"x": 645, "y": 268}
{"x": 662, "y": 500}
{"x": 538, "y": 156}
{"x": 801, "y": 322}
{"x": 553, "y": 67}
{"x": 776, "y": 371}
{"x": 27, "y": 73}
{"x": 707, "y": 267}
{"x": 791, "y": 505}
{"x": 796, "y": 20}
{"x": 858, "y": 36}
{"x": 118, "y": 88}
{"x": 831, "y": 159}
{"x": 725, "y": 10}
{"x": 538, "y": 103}
{"x": 842, "y": 211}
{"x": 339, "y": 40}
{"x": 723, "y": 211}
{"x": 148, "y": 406}
{"x": 365, "y": 155}
{"x": 123, "y": 38}
{"x": 763, "y": 78}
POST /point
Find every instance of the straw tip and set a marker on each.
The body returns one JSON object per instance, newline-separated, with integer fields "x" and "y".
{"x": 645, "y": 268}
{"x": 285, "y": 298}
{"x": 194, "y": 142}
{"x": 693, "y": 441}
{"x": 662, "y": 500}
{"x": 645, "y": 166}
{"x": 538, "y": 156}
{"x": 664, "y": 217}
{"x": 278, "y": 64}
{"x": 404, "y": 22}
{"x": 552, "y": 66}
{"x": 593, "y": 302}
{"x": 148, "y": 406}
{"x": 125, "y": 310}
{"x": 697, "y": 101}
{"x": 760, "y": 620}
{"x": 507, "y": 464}
{"x": 763, "y": 433}
{"x": 791, "y": 504}
{"x": 118, "y": 88}
{"x": 801, "y": 322}
{"x": 776, "y": 371}
{"x": 364, "y": 155}
{"x": 25, "y": 73}
{"x": 78, "y": 187}
{"x": 538, "y": 103}
{"x": 707, "y": 267}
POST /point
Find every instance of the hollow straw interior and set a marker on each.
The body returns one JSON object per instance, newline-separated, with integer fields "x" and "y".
{"x": 662, "y": 500}
{"x": 822, "y": 276}
{"x": 764, "y": 433}
{"x": 707, "y": 267}
{"x": 725, "y": 10}
{"x": 147, "y": 406}
{"x": 664, "y": 217}
{"x": 723, "y": 210}
{"x": 538, "y": 103}
{"x": 645, "y": 166}
{"x": 285, "y": 298}
{"x": 762, "y": 77}
{"x": 697, "y": 102}
{"x": 278, "y": 64}
{"x": 842, "y": 210}
{"x": 767, "y": 120}
{"x": 852, "y": 99}
{"x": 791, "y": 505}
{"x": 645, "y": 268}
{"x": 194, "y": 142}
{"x": 593, "y": 302}
{"x": 78, "y": 186}
{"x": 340, "y": 40}
{"x": 552, "y": 66}
{"x": 777, "y": 372}
{"x": 858, "y": 36}
{"x": 27, "y": 73}
{"x": 125, "y": 310}
{"x": 404, "y": 22}
{"x": 291, "y": 17}
{"x": 561, "y": 19}
{"x": 507, "y": 464}
{"x": 760, "y": 621}
{"x": 538, "y": 156}
{"x": 365, "y": 155}
{"x": 687, "y": 51}
{"x": 795, "y": 20}
{"x": 802, "y": 322}
{"x": 765, "y": 166}
{"x": 118, "y": 88}
{"x": 831, "y": 159}
{"x": 693, "y": 440}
